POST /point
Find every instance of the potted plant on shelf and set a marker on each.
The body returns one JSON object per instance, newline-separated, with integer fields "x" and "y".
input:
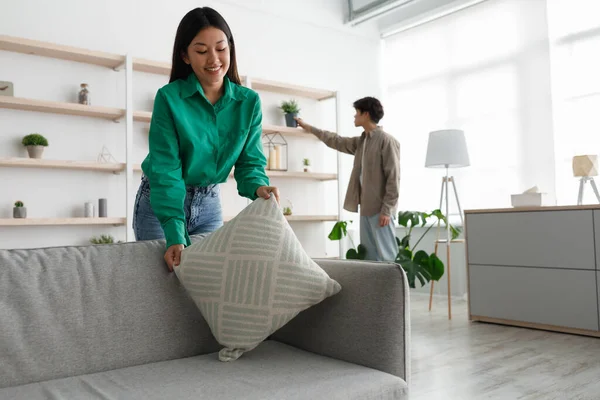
{"x": 290, "y": 109}
{"x": 104, "y": 239}
{"x": 19, "y": 211}
{"x": 35, "y": 144}
{"x": 287, "y": 207}
{"x": 306, "y": 163}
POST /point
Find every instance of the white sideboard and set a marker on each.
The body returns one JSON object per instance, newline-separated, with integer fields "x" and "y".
{"x": 535, "y": 267}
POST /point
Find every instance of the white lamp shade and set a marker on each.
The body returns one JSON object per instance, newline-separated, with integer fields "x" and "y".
{"x": 447, "y": 149}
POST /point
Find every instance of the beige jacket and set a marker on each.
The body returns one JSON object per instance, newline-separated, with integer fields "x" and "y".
{"x": 381, "y": 176}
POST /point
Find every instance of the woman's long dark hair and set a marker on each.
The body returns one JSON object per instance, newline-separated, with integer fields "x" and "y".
{"x": 193, "y": 22}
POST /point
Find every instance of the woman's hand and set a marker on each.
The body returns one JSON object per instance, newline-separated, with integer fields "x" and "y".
{"x": 265, "y": 192}
{"x": 173, "y": 256}
{"x": 303, "y": 124}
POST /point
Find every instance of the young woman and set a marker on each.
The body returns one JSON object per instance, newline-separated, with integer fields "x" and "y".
{"x": 204, "y": 123}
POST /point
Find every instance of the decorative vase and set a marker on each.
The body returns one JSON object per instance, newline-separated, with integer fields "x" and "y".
{"x": 306, "y": 169}
{"x": 35, "y": 151}
{"x": 290, "y": 122}
{"x": 102, "y": 208}
{"x": 89, "y": 210}
{"x": 19, "y": 212}
{"x": 84, "y": 95}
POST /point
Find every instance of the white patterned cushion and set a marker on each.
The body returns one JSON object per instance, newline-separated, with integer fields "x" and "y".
{"x": 250, "y": 277}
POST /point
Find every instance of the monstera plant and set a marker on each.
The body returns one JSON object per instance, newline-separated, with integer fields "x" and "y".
{"x": 418, "y": 265}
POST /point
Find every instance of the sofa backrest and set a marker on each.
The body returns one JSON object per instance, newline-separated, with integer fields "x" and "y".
{"x": 67, "y": 311}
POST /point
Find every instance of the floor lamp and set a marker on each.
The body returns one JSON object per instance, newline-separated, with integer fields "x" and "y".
{"x": 447, "y": 149}
{"x": 586, "y": 167}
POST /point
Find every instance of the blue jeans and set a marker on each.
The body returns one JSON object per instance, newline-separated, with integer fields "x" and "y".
{"x": 202, "y": 206}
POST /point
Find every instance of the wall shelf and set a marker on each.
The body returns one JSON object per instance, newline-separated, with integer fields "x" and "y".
{"x": 51, "y": 50}
{"x": 60, "y": 221}
{"x": 142, "y": 116}
{"x": 54, "y": 107}
{"x": 287, "y": 131}
{"x": 151, "y": 67}
{"x": 146, "y": 116}
{"x": 62, "y": 164}
{"x": 162, "y": 68}
{"x": 292, "y": 90}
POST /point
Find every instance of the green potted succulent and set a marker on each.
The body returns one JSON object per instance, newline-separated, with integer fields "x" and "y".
{"x": 306, "y": 163}
{"x": 291, "y": 109}
{"x": 19, "y": 211}
{"x": 35, "y": 144}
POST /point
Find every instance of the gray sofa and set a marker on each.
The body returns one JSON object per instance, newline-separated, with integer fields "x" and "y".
{"x": 109, "y": 322}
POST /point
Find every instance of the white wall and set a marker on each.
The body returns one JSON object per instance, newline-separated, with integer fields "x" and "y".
{"x": 304, "y": 43}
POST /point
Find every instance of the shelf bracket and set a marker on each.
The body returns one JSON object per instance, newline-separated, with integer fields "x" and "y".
{"x": 120, "y": 66}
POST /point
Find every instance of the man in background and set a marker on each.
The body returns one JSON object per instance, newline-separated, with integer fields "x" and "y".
{"x": 375, "y": 178}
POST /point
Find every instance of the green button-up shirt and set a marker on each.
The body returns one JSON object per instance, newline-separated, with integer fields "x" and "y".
{"x": 195, "y": 143}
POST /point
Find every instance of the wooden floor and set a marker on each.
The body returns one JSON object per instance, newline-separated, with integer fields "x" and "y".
{"x": 465, "y": 360}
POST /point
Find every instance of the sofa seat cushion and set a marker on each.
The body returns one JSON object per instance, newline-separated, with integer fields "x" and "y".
{"x": 271, "y": 371}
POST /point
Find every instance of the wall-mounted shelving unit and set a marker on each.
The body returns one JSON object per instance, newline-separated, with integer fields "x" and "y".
{"x": 61, "y": 221}
{"x": 128, "y": 65}
{"x": 55, "y": 107}
{"x": 61, "y": 164}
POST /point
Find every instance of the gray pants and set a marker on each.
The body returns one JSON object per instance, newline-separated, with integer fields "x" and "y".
{"x": 380, "y": 241}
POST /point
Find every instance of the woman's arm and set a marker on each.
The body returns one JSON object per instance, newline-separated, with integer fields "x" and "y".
{"x": 250, "y": 166}
{"x": 167, "y": 188}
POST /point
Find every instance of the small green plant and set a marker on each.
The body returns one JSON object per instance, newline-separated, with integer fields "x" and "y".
{"x": 290, "y": 107}
{"x": 306, "y": 162}
{"x": 34, "y": 139}
{"x": 287, "y": 211}
{"x": 103, "y": 239}
{"x": 18, "y": 204}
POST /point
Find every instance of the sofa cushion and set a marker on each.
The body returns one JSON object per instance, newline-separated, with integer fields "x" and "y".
{"x": 68, "y": 311}
{"x": 271, "y": 371}
{"x": 251, "y": 276}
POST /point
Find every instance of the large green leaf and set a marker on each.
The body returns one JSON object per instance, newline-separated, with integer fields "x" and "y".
{"x": 415, "y": 218}
{"x": 455, "y": 232}
{"x": 357, "y": 254}
{"x": 404, "y": 255}
{"x": 436, "y": 267}
{"x": 404, "y": 243}
{"x": 339, "y": 230}
{"x": 415, "y": 271}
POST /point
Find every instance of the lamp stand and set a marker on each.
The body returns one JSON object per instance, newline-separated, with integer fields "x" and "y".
{"x": 445, "y": 196}
{"x": 582, "y": 182}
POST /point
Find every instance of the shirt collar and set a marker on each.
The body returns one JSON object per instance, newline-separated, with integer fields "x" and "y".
{"x": 193, "y": 86}
{"x": 375, "y": 132}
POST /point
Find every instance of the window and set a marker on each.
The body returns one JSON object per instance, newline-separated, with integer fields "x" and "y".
{"x": 476, "y": 70}
{"x": 575, "y": 35}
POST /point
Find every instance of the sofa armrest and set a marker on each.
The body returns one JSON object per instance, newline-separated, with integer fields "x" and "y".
{"x": 366, "y": 323}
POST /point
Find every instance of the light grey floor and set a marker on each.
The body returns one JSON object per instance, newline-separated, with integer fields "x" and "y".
{"x": 465, "y": 360}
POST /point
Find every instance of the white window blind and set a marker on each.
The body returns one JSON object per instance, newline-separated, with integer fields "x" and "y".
{"x": 575, "y": 36}
{"x": 485, "y": 70}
